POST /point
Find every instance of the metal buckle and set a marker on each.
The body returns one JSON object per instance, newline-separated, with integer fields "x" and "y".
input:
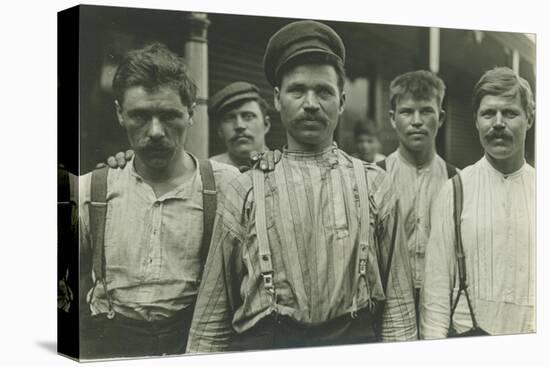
{"x": 362, "y": 267}
{"x": 111, "y": 314}
{"x": 268, "y": 281}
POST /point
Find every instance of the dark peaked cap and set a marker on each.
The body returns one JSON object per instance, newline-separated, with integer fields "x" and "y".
{"x": 230, "y": 94}
{"x": 297, "y": 38}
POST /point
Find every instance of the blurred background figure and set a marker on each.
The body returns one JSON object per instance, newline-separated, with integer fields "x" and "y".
{"x": 367, "y": 142}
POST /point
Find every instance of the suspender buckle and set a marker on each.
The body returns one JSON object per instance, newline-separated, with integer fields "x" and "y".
{"x": 111, "y": 314}
{"x": 268, "y": 282}
{"x": 363, "y": 267}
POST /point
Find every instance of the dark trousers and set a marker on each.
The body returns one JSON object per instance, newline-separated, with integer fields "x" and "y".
{"x": 274, "y": 332}
{"x": 124, "y": 337}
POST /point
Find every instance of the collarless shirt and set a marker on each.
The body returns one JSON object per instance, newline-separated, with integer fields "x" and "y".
{"x": 498, "y": 234}
{"x": 416, "y": 188}
{"x": 312, "y": 225}
{"x": 151, "y": 244}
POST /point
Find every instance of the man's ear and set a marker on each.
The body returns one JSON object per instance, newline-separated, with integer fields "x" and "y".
{"x": 276, "y": 98}
{"x": 392, "y": 118}
{"x": 191, "y": 112}
{"x": 342, "y": 102}
{"x": 442, "y": 116}
{"x": 220, "y": 132}
{"x": 267, "y": 124}
{"x": 118, "y": 108}
{"x": 531, "y": 119}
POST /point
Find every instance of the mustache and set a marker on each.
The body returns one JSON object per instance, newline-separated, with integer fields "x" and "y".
{"x": 238, "y": 136}
{"x": 312, "y": 117}
{"x": 498, "y": 135}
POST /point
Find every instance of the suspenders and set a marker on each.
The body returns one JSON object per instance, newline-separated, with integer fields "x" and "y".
{"x": 98, "y": 213}
{"x": 266, "y": 265}
{"x": 458, "y": 194}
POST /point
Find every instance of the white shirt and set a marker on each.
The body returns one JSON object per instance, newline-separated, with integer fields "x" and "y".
{"x": 417, "y": 188}
{"x": 498, "y": 234}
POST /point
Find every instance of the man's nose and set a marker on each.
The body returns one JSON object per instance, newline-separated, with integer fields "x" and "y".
{"x": 240, "y": 124}
{"x": 156, "y": 130}
{"x": 416, "y": 120}
{"x": 499, "y": 121}
{"x": 311, "y": 102}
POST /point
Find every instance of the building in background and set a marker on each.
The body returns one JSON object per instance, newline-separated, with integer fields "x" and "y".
{"x": 223, "y": 48}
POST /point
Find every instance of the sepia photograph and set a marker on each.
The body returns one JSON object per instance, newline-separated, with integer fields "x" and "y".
{"x": 253, "y": 183}
{"x": 279, "y": 183}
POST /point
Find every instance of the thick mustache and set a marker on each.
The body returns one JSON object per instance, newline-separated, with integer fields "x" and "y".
{"x": 498, "y": 135}
{"x": 236, "y": 137}
{"x": 157, "y": 146}
{"x": 308, "y": 117}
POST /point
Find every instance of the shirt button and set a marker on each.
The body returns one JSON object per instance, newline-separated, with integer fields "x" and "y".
{"x": 157, "y": 204}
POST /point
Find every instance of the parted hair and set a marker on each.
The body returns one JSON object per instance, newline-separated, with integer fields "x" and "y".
{"x": 503, "y": 81}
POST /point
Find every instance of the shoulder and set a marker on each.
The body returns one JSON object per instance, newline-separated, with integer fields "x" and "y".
{"x": 223, "y": 172}
{"x": 222, "y": 158}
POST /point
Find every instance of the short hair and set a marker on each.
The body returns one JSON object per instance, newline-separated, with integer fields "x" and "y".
{"x": 365, "y": 128}
{"x": 314, "y": 59}
{"x": 503, "y": 81}
{"x": 421, "y": 84}
{"x": 151, "y": 67}
{"x": 264, "y": 107}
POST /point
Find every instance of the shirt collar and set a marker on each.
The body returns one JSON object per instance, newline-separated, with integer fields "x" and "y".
{"x": 329, "y": 154}
{"x": 512, "y": 175}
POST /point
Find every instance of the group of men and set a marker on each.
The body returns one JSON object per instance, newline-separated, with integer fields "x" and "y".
{"x": 321, "y": 248}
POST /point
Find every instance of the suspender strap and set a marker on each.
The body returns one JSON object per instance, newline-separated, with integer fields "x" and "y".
{"x": 458, "y": 194}
{"x": 98, "y": 213}
{"x": 451, "y": 170}
{"x": 364, "y": 224}
{"x": 209, "y": 203}
{"x": 266, "y": 265}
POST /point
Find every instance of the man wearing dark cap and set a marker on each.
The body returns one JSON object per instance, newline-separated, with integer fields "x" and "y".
{"x": 311, "y": 253}
{"x": 241, "y": 115}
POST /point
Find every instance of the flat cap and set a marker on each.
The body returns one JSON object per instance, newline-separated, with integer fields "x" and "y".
{"x": 230, "y": 94}
{"x": 297, "y": 38}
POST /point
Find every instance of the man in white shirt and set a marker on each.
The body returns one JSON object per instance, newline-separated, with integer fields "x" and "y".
{"x": 496, "y": 224}
{"x": 417, "y": 171}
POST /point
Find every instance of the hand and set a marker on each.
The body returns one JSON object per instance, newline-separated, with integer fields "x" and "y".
{"x": 267, "y": 160}
{"x": 118, "y": 161}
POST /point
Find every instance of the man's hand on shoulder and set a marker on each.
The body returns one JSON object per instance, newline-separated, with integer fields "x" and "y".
{"x": 119, "y": 160}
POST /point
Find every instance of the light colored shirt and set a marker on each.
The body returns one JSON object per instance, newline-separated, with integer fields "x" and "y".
{"x": 498, "y": 234}
{"x": 416, "y": 188}
{"x": 312, "y": 210}
{"x": 151, "y": 244}
{"x": 224, "y": 158}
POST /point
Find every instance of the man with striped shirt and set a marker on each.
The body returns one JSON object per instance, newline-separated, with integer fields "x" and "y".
{"x": 307, "y": 255}
{"x": 496, "y": 224}
{"x": 418, "y": 172}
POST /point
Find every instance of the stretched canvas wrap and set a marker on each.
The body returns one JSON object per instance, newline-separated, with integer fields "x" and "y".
{"x": 396, "y": 202}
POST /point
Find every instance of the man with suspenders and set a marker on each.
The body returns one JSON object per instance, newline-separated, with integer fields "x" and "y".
{"x": 417, "y": 171}
{"x": 313, "y": 252}
{"x": 146, "y": 228}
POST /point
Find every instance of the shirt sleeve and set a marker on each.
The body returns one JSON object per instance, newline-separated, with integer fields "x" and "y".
{"x": 435, "y": 299}
{"x": 218, "y": 297}
{"x": 398, "y": 319}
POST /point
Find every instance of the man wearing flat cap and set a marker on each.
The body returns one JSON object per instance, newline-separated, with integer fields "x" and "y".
{"x": 311, "y": 253}
{"x": 242, "y": 119}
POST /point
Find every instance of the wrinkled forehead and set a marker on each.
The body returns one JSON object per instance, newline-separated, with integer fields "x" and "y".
{"x": 160, "y": 97}
{"x": 509, "y": 99}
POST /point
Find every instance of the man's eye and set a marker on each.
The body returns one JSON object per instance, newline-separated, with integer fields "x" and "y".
{"x": 248, "y": 116}
{"x": 511, "y": 114}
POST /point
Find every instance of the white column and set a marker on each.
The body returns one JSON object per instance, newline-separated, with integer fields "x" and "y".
{"x": 515, "y": 61}
{"x": 196, "y": 57}
{"x": 434, "y": 49}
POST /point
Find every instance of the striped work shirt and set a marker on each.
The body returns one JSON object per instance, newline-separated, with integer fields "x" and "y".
{"x": 498, "y": 234}
{"x": 152, "y": 244}
{"x": 416, "y": 188}
{"x": 312, "y": 223}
